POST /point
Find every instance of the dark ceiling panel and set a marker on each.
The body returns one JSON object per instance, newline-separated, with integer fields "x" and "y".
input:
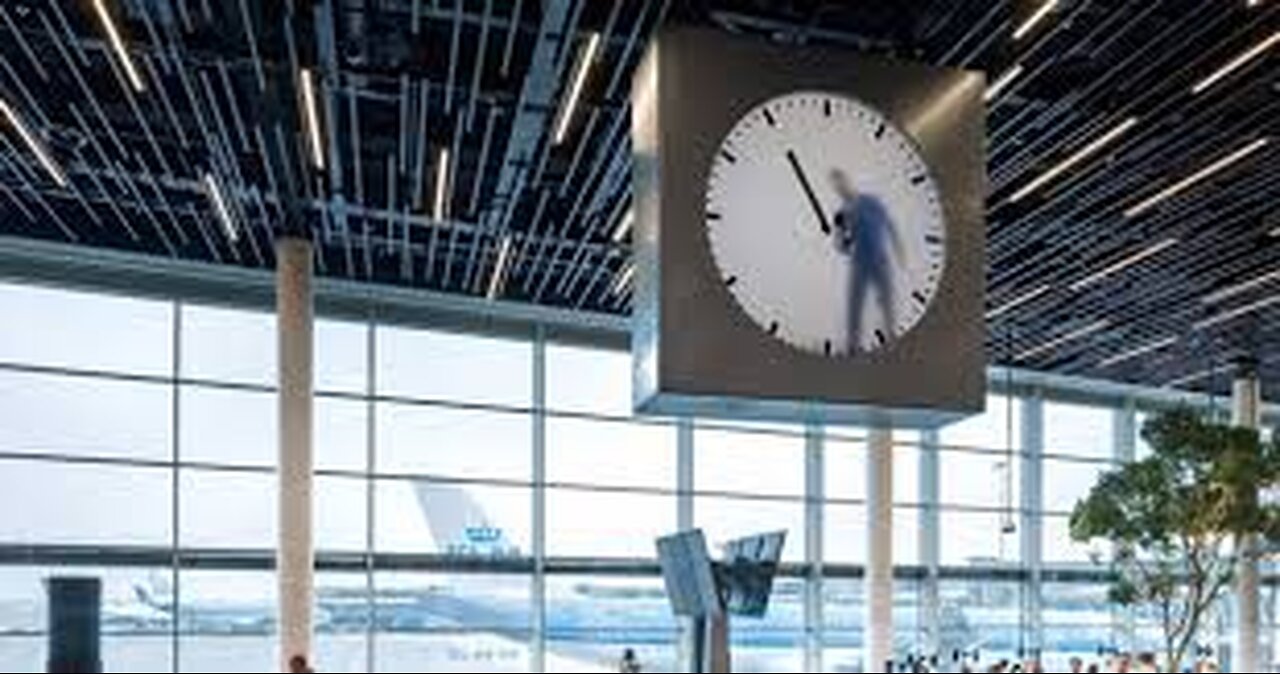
{"x": 403, "y": 79}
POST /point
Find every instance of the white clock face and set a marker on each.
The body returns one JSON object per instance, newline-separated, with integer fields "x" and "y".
{"x": 825, "y": 224}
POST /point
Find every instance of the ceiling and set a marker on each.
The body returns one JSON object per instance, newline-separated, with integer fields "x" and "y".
{"x": 1080, "y": 281}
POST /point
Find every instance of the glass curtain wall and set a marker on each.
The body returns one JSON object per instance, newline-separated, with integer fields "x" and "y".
{"x": 490, "y": 503}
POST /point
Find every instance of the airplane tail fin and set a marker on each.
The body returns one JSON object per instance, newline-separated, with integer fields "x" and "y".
{"x": 458, "y": 524}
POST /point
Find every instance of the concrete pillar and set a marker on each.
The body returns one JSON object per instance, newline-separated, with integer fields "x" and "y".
{"x": 685, "y": 464}
{"x": 538, "y": 585}
{"x": 815, "y": 496}
{"x": 878, "y": 640}
{"x": 295, "y": 554}
{"x": 1032, "y": 520}
{"x": 1124, "y": 442}
{"x": 930, "y": 533}
{"x": 1246, "y": 412}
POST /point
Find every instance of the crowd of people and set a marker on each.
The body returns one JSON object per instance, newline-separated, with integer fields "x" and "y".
{"x": 1121, "y": 663}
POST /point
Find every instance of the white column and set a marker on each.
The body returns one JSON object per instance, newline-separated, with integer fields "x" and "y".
{"x": 1246, "y": 410}
{"x": 295, "y": 556}
{"x": 1032, "y": 516}
{"x": 878, "y": 641}
{"x": 930, "y": 541}
{"x": 538, "y": 585}
{"x": 815, "y": 495}
{"x": 1124, "y": 442}
{"x": 684, "y": 522}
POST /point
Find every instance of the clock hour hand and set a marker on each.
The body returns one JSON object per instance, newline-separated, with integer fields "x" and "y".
{"x": 808, "y": 192}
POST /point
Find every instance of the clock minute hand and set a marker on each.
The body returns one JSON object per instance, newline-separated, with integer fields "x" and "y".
{"x": 808, "y": 191}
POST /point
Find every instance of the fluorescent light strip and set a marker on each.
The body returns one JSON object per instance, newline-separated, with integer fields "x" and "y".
{"x": 1034, "y": 20}
{"x": 214, "y": 192}
{"x": 581, "y": 69}
{"x": 1018, "y": 301}
{"x": 1199, "y": 176}
{"x": 1003, "y": 82}
{"x": 1080, "y": 155}
{"x": 624, "y": 226}
{"x": 1096, "y": 326}
{"x": 623, "y": 280}
{"x": 1124, "y": 264}
{"x": 442, "y": 185}
{"x": 1239, "y": 288}
{"x": 33, "y": 144}
{"x": 500, "y": 268}
{"x": 1237, "y": 313}
{"x": 311, "y": 117}
{"x": 1183, "y": 381}
{"x": 117, "y": 45}
{"x": 1236, "y": 63}
{"x": 1139, "y": 351}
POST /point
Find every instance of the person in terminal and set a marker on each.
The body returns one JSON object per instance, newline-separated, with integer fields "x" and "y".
{"x": 298, "y": 664}
{"x": 630, "y": 663}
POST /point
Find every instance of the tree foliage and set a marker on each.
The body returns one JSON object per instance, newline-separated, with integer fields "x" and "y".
{"x": 1179, "y": 518}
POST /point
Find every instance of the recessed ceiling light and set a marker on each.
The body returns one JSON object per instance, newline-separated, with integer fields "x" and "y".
{"x": 214, "y": 191}
{"x": 1237, "y": 313}
{"x": 1248, "y": 56}
{"x": 311, "y": 117}
{"x": 1003, "y": 81}
{"x": 581, "y": 70}
{"x": 1079, "y": 156}
{"x": 500, "y": 268}
{"x": 1018, "y": 301}
{"x": 1042, "y": 12}
{"x": 33, "y": 144}
{"x": 1125, "y": 356}
{"x": 1195, "y": 178}
{"x": 440, "y": 211}
{"x": 117, "y": 46}
{"x": 1080, "y": 333}
{"x": 1121, "y": 265}
{"x": 1240, "y": 288}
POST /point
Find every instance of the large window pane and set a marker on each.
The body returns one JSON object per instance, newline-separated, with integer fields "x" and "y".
{"x": 845, "y": 534}
{"x": 228, "y": 426}
{"x": 979, "y": 538}
{"x": 48, "y": 503}
{"x": 727, "y": 518}
{"x": 228, "y": 509}
{"x": 979, "y": 479}
{"x": 750, "y": 463}
{"x": 585, "y": 523}
{"x": 228, "y": 345}
{"x": 452, "y": 623}
{"x": 466, "y": 521}
{"x": 983, "y": 614}
{"x": 344, "y": 604}
{"x": 63, "y": 328}
{"x": 614, "y": 453}
{"x": 1078, "y": 430}
{"x": 136, "y": 634}
{"x": 1079, "y": 618}
{"x": 434, "y": 365}
{"x": 588, "y": 380}
{"x": 341, "y": 356}
{"x": 1060, "y": 548}
{"x": 227, "y": 621}
{"x": 418, "y": 439}
{"x": 776, "y": 642}
{"x": 997, "y": 428}
{"x": 591, "y": 620}
{"x": 1069, "y": 481}
{"x": 341, "y": 514}
{"x": 84, "y": 416}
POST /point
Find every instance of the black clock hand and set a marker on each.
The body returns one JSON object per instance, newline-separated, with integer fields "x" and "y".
{"x": 808, "y": 191}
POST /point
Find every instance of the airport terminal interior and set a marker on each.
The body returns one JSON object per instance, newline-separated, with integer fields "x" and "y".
{"x": 639, "y": 335}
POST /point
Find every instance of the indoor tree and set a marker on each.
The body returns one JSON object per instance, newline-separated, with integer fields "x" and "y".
{"x": 1175, "y": 518}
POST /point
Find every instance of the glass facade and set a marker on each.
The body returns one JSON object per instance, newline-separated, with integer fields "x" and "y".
{"x": 489, "y": 503}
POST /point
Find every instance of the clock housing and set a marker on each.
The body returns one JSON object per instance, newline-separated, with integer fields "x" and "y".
{"x": 699, "y": 347}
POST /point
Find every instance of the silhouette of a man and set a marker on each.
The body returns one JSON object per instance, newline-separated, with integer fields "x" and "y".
{"x": 867, "y": 235}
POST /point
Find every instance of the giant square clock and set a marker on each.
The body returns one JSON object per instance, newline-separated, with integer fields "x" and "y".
{"x": 809, "y": 234}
